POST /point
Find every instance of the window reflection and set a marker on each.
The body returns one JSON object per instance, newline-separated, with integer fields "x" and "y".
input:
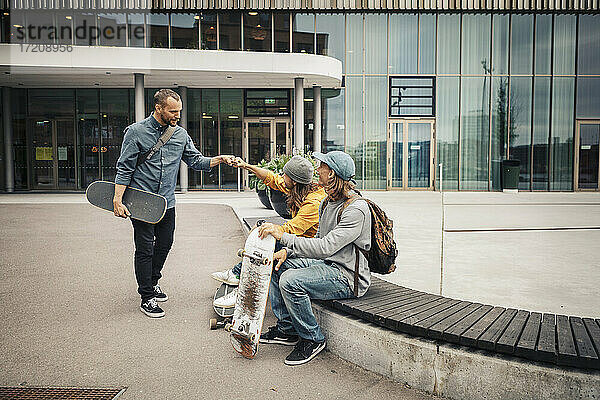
{"x": 208, "y": 29}
{"x": 230, "y": 32}
{"x": 303, "y": 39}
{"x": 184, "y": 31}
{"x": 113, "y": 29}
{"x": 137, "y": 30}
{"x": 282, "y": 32}
{"x": 476, "y": 44}
{"x": 157, "y": 26}
{"x": 257, "y": 31}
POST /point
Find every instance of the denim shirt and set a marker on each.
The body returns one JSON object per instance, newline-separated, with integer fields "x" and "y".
{"x": 159, "y": 173}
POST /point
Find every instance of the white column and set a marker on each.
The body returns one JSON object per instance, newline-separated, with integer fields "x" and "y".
{"x": 140, "y": 110}
{"x": 183, "y": 168}
{"x": 9, "y": 164}
{"x": 317, "y": 114}
{"x": 299, "y": 114}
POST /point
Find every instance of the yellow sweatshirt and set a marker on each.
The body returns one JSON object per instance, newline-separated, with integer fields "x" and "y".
{"x": 306, "y": 220}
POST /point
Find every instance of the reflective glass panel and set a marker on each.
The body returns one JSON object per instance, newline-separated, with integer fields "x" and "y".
{"x": 419, "y": 154}
{"x": 259, "y": 142}
{"x": 354, "y": 43}
{"x": 354, "y": 128}
{"x": 500, "y": 42}
{"x": 282, "y": 32}
{"x": 589, "y": 138}
{"x": 303, "y": 36}
{"x": 397, "y": 138}
{"x": 87, "y": 120}
{"x": 157, "y": 26}
{"x": 476, "y": 44}
{"x": 5, "y": 27}
{"x": 427, "y": 44}
{"x": 330, "y": 36}
{"x": 375, "y": 132}
{"x": 208, "y": 31}
{"x": 588, "y": 97}
{"x": 521, "y": 56}
{"x": 64, "y": 26}
{"x": 543, "y": 43}
{"x": 403, "y": 44}
{"x": 448, "y": 44}
{"x": 520, "y": 126}
{"x": 114, "y": 118}
{"x": 137, "y": 30}
{"x": 257, "y": 31}
{"x": 588, "y": 56}
{"x": 541, "y": 127}
{"x": 38, "y": 27}
{"x": 231, "y": 132}
{"x": 447, "y": 129}
{"x": 561, "y": 150}
{"x": 210, "y": 133}
{"x": 376, "y": 45}
{"x": 230, "y": 31}
{"x": 499, "y": 134}
{"x": 564, "y": 44}
{"x": 113, "y": 29}
{"x": 332, "y": 126}
{"x": 184, "y": 31}
{"x": 474, "y": 128}
{"x": 194, "y": 127}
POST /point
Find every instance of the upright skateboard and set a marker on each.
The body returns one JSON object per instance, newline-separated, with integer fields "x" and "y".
{"x": 253, "y": 290}
{"x": 224, "y": 313}
{"x": 144, "y": 206}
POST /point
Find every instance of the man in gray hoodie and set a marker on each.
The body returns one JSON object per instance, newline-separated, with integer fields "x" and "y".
{"x": 321, "y": 267}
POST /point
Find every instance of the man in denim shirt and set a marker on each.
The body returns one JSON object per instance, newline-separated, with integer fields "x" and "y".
{"x": 157, "y": 175}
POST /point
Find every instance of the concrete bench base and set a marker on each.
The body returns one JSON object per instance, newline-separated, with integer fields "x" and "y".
{"x": 447, "y": 370}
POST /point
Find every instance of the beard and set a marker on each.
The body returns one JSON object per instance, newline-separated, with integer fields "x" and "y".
{"x": 168, "y": 121}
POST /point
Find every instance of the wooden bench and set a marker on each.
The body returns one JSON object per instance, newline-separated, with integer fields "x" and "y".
{"x": 558, "y": 339}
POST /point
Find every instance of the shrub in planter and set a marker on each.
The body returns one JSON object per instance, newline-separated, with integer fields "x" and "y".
{"x": 261, "y": 189}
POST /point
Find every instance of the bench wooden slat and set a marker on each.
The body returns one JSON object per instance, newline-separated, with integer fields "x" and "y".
{"x": 453, "y": 333}
{"x": 358, "y": 309}
{"x": 372, "y": 295}
{"x": 470, "y": 336}
{"x": 508, "y": 341}
{"x": 546, "y": 347}
{"x": 436, "y": 330}
{"x": 392, "y": 321}
{"x": 567, "y": 353}
{"x": 593, "y": 328}
{"x": 491, "y": 335}
{"x": 382, "y": 317}
{"x": 422, "y": 327}
{"x": 376, "y": 314}
{"x": 386, "y": 298}
{"x": 587, "y": 355}
{"x": 408, "y": 324}
{"x": 526, "y": 346}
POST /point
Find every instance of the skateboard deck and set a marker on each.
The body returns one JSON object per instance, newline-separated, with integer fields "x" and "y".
{"x": 144, "y": 206}
{"x": 225, "y": 313}
{"x": 253, "y": 290}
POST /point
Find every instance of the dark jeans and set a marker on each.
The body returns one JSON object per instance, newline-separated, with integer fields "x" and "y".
{"x": 152, "y": 244}
{"x": 237, "y": 268}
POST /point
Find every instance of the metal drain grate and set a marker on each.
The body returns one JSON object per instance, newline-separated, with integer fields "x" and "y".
{"x": 55, "y": 393}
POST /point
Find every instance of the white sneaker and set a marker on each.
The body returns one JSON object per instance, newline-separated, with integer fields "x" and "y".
{"x": 226, "y": 301}
{"x": 227, "y": 277}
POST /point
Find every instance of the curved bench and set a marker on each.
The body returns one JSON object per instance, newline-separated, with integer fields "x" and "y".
{"x": 558, "y": 339}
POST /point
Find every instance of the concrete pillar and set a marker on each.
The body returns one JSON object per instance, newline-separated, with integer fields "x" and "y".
{"x": 140, "y": 109}
{"x": 183, "y": 168}
{"x": 317, "y": 114}
{"x": 299, "y": 114}
{"x": 9, "y": 163}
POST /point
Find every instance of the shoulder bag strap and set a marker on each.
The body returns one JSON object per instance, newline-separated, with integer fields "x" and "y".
{"x": 161, "y": 141}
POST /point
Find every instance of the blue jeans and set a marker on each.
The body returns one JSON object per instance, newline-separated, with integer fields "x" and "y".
{"x": 297, "y": 282}
{"x": 237, "y": 268}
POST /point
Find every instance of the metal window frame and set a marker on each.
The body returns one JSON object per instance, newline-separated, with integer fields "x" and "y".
{"x": 419, "y": 77}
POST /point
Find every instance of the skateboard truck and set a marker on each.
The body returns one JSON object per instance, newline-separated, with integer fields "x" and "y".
{"x": 230, "y": 328}
{"x": 256, "y": 259}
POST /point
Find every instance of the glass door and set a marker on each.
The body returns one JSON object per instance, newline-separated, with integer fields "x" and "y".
{"x": 410, "y": 146}
{"x": 265, "y": 138}
{"x": 53, "y": 153}
{"x": 587, "y": 161}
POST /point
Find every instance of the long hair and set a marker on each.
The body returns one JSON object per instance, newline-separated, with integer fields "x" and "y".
{"x": 297, "y": 195}
{"x": 338, "y": 189}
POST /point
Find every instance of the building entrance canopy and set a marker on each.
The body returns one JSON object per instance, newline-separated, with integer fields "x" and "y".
{"x": 114, "y": 67}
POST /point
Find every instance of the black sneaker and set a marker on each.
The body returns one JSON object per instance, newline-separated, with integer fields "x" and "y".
{"x": 159, "y": 295}
{"x": 274, "y": 336}
{"x": 304, "y": 351}
{"x": 151, "y": 309}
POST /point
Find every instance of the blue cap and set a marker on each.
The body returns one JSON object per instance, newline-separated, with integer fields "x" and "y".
{"x": 341, "y": 163}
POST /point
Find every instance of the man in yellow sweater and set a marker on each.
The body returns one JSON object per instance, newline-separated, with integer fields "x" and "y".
{"x": 303, "y": 199}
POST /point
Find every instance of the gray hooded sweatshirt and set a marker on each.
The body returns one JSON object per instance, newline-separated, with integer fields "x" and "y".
{"x": 334, "y": 242}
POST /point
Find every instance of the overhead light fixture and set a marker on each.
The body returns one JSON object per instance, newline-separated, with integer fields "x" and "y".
{"x": 107, "y": 72}
{"x": 196, "y": 17}
{"x": 81, "y": 119}
{"x": 258, "y": 26}
{"x": 7, "y": 14}
{"x": 229, "y": 77}
{"x": 253, "y": 13}
{"x": 96, "y": 84}
{"x": 207, "y": 116}
{"x": 18, "y": 26}
{"x": 233, "y": 117}
{"x": 69, "y": 17}
{"x": 308, "y": 99}
{"x": 105, "y": 116}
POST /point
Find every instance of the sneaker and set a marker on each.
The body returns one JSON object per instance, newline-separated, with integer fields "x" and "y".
{"x": 151, "y": 309}
{"x": 275, "y": 336}
{"x": 226, "y": 301}
{"x": 159, "y": 295}
{"x": 227, "y": 277}
{"x": 304, "y": 351}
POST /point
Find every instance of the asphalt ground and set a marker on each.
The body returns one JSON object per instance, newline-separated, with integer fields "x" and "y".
{"x": 70, "y": 313}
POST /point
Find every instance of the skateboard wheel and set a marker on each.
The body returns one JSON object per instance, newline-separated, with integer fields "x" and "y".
{"x": 213, "y": 323}
{"x": 265, "y": 261}
{"x": 228, "y": 327}
{"x": 240, "y": 253}
{"x": 252, "y": 337}
{"x": 260, "y": 222}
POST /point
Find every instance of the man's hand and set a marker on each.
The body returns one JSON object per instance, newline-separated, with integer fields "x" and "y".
{"x": 280, "y": 257}
{"x": 227, "y": 159}
{"x": 270, "y": 229}
{"x": 120, "y": 210}
{"x": 240, "y": 163}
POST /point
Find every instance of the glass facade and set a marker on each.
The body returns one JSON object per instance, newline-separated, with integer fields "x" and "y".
{"x": 505, "y": 85}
